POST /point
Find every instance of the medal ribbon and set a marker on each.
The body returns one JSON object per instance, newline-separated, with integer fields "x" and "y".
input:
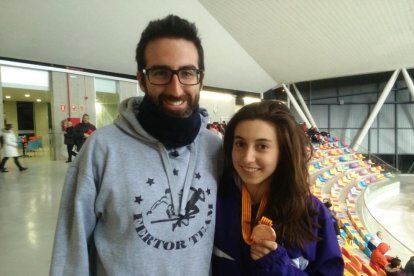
{"x": 246, "y": 220}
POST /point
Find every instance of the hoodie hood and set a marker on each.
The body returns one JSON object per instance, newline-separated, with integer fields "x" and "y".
{"x": 383, "y": 248}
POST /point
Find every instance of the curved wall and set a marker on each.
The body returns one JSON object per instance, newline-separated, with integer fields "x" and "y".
{"x": 370, "y": 207}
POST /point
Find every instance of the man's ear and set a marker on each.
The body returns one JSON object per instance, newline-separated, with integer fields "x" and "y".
{"x": 141, "y": 81}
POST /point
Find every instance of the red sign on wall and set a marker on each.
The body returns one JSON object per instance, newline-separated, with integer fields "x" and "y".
{"x": 75, "y": 120}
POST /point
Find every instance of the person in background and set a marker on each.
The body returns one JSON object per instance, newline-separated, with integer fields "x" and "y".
{"x": 214, "y": 130}
{"x": 223, "y": 125}
{"x": 10, "y": 149}
{"x": 1, "y": 147}
{"x": 140, "y": 198}
{"x": 268, "y": 222}
{"x": 83, "y": 130}
{"x": 394, "y": 268}
{"x": 379, "y": 259}
{"x": 328, "y": 205}
{"x": 375, "y": 240}
{"x": 69, "y": 140}
{"x": 409, "y": 267}
{"x": 1, "y": 141}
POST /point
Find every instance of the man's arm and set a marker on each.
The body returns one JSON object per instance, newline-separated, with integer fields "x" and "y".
{"x": 75, "y": 225}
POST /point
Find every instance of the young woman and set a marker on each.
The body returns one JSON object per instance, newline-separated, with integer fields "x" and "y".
{"x": 267, "y": 181}
{"x": 9, "y": 149}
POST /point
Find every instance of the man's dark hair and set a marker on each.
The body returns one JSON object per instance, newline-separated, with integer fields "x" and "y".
{"x": 395, "y": 262}
{"x": 171, "y": 26}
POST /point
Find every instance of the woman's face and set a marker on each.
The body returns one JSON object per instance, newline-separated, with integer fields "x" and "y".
{"x": 255, "y": 153}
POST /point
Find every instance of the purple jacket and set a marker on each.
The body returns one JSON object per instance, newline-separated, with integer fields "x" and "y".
{"x": 232, "y": 255}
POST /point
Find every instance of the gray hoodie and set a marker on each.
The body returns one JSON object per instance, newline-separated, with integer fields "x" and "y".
{"x": 131, "y": 207}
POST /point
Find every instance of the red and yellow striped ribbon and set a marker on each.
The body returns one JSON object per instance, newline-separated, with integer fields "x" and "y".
{"x": 246, "y": 218}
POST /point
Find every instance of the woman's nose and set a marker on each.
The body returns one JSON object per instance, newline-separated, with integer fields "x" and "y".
{"x": 249, "y": 155}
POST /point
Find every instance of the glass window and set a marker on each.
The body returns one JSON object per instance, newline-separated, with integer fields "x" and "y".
{"x": 107, "y": 100}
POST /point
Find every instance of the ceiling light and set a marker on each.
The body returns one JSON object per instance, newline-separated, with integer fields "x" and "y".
{"x": 38, "y": 100}
{"x": 248, "y": 100}
{"x": 8, "y": 97}
{"x": 216, "y": 96}
{"x": 27, "y": 95}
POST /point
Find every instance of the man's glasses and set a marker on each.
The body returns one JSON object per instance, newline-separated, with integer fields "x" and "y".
{"x": 163, "y": 76}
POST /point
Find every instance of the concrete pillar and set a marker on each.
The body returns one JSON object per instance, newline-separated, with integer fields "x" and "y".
{"x": 59, "y": 112}
{"x": 375, "y": 110}
{"x": 305, "y": 108}
{"x": 296, "y": 106}
{"x": 409, "y": 82}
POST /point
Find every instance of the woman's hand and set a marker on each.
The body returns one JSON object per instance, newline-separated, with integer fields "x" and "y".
{"x": 262, "y": 248}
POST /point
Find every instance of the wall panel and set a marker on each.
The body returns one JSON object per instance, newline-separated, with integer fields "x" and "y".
{"x": 386, "y": 116}
{"x": 357, "y": 99}
{"x": 320, "y": 115}
{"x": 357, "y": 89}
{"x": 405, "y": 141}
{"x": 348, "y": 116}
{"x": 403, "y": 96}
{"x": 373, "y": 141}
{"x": 386, "y": 141}
{"x": 405, "y": 113}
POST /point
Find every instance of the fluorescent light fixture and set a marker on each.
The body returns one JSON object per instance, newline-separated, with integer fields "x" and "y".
{"x": 24, "y": 78}
{"x": 8, "y": 97}
{"x": 38, "y": 100}
{"x": 249, "y": 100}
{"x": 216, "y": 95}
{"x": 27, "y": 95}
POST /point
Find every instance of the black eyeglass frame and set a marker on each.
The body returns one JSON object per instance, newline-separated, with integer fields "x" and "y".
{"x": 174, "y": 72}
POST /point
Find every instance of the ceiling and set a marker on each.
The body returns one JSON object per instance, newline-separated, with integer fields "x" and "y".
{"x": 250, "y": 45}
{"x": 19, "y": 95}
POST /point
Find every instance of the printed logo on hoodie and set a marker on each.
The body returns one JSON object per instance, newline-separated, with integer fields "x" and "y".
{"x": 198, "y": 208}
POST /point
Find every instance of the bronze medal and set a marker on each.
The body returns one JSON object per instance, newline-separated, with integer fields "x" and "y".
{"x": 263, "y": 232}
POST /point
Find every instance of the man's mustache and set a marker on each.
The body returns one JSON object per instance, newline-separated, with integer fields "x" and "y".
{"x": 172, "y": 98}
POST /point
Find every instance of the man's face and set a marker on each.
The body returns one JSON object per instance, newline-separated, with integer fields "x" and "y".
{"x": 85, "y": 119}
{"x": 174, "y": 99}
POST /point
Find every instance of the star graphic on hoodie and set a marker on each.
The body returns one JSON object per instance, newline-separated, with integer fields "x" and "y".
{"x": 175, "y": 172}
{"x": 138, "y": 199}
{"x": 208, "y": 191}
{"x": 150, "y": 181}
{"x": 197, "y": 175}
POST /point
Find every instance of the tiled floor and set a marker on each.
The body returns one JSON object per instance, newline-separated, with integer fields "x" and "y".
{"x": 29, "y": 203}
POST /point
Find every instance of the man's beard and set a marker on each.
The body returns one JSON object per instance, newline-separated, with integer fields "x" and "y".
{"x": 192, "y": 104}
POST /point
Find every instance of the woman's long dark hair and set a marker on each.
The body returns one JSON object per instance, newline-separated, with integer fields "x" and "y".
{"x": 289, "y": 203}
